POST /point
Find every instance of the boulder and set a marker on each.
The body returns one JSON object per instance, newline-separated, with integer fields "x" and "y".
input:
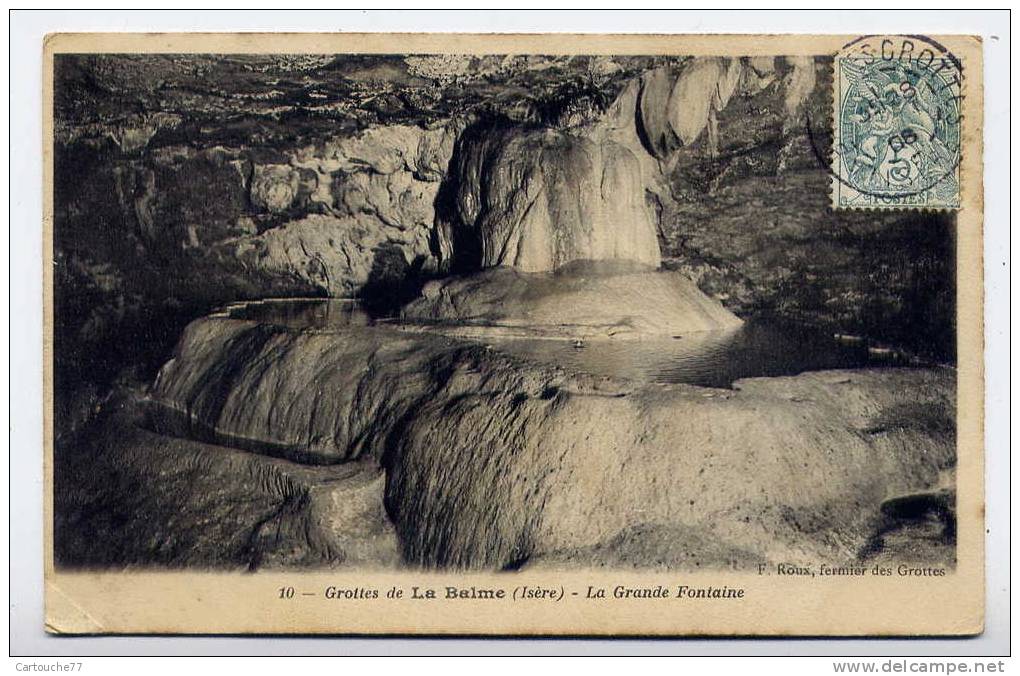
{"x": 319, "y": 254}
{"x": 274, "y": 187}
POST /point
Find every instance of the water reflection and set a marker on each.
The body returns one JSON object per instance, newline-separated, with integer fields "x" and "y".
{"x": 712, "y": 358}
{"x": 311, "y": 313}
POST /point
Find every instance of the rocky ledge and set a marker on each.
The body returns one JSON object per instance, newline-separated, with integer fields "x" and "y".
{"x": 585, "y": 299}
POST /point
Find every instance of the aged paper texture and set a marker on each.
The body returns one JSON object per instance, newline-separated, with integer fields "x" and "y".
{"x": 513, "y": 334}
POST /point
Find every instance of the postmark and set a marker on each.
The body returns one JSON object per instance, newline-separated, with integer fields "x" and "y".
{"x": 897, "y": 124}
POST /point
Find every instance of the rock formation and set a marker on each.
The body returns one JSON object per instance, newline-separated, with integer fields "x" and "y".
{"x": 129, "y": 497}
{"x": 492, "y": 461}
{"x": 677, "y": 105}
{"x": 536, "y": 200}
{"x": 584, "y": 299}
{"x": 187, "y": 181}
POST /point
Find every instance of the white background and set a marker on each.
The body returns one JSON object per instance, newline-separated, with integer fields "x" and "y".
{"x": 25, "y": 328}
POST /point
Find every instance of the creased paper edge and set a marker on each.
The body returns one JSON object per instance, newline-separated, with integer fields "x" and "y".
{"x": 66, "y": 616}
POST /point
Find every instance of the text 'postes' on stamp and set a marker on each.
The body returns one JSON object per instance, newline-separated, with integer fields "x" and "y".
{"x": 897, "y": 125}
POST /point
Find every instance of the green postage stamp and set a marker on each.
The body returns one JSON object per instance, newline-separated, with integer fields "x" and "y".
{"x": 897, "y": 124}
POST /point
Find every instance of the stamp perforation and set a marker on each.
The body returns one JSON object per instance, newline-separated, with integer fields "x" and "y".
{"x": 902, "y": 140}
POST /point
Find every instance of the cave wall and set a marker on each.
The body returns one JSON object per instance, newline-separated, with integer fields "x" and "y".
{"x": 752, "y": 224}
{"x": 147, "y": 239}
{"x": 186, "y": 181}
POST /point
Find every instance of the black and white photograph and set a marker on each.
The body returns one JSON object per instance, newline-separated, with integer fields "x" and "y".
{"x": 687, "y": 313}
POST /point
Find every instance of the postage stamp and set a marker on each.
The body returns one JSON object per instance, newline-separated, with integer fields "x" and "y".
{"x": 897, "y": 121}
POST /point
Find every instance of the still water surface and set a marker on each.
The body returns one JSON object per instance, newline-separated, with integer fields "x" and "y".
{"x": 716, "y": 358}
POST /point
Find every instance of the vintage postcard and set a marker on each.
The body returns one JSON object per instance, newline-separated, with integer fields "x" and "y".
{"x": 450, "y": 334}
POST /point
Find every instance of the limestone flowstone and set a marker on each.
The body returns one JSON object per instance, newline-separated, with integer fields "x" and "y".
{"x": 142, "y": 499}
{"x": 493, "y": 461}
{"x": 536, "y": 200}
{"x": 585, "y": 299}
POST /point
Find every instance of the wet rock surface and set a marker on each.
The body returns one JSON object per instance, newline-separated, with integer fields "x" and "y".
{"x": 491, "y": 461}
{"x": 126, "y": 497}
{"x": 536, "y": 200}
{"x": 584, "y": 300}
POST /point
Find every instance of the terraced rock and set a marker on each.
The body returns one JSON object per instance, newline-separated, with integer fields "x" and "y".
{"x": 585, "y": 299}
{"x": 492, "y": 461}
